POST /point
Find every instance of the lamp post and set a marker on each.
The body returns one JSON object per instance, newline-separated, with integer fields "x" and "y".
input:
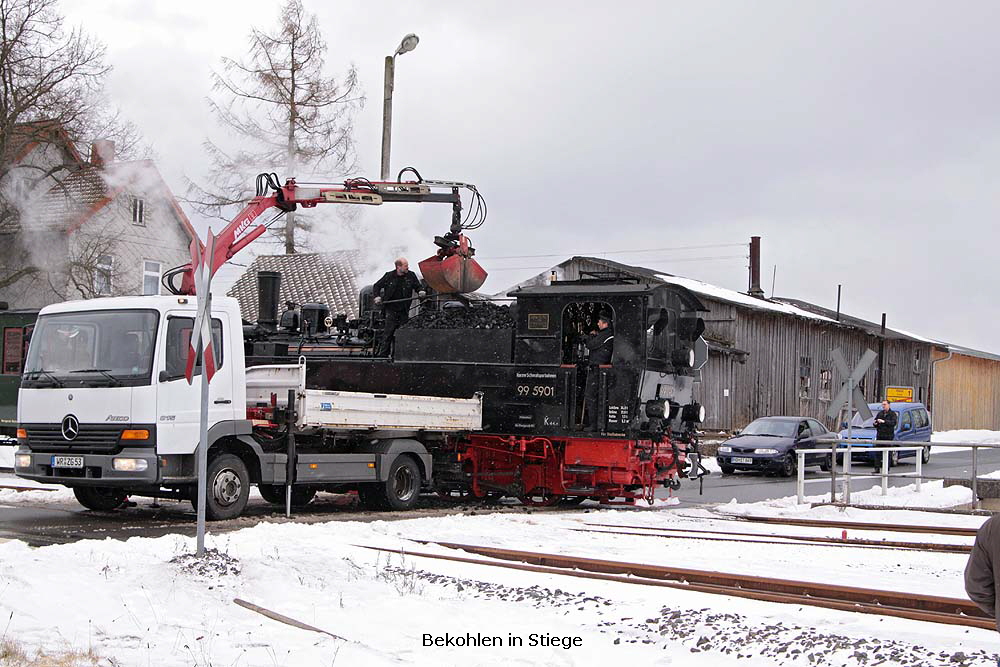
{"x": 408, "y": 44}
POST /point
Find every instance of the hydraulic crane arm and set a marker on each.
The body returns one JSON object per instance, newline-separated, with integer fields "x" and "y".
{"x": 451, "y": 269}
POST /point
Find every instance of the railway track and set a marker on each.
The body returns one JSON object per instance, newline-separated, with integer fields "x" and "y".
{"x": 935, "y": 609}
{"x": 854, "y": 525}
{"x": 803, "y": 540}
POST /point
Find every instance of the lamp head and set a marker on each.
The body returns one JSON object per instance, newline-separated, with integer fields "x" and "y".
{"x": 408, "y": 44}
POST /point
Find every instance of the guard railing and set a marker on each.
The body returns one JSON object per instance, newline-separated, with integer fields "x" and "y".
{"x": 846, "y": 448}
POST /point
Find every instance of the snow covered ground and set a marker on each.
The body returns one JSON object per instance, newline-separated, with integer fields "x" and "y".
{"x": 142, "y": 601}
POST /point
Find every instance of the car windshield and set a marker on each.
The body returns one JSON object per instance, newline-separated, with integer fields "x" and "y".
{"x": 861, "y": 422}
{"x": 92, "y": 348}
{"x": 777, "y": 427}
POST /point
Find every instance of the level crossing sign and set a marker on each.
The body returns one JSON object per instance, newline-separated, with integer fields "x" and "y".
{"x": 203, "y": 265}
{"x": 850, "y": 395}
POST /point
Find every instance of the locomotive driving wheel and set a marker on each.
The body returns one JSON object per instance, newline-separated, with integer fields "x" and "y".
{"x": 539, "y": 497}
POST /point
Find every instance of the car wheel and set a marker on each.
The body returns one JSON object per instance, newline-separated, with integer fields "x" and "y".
{"x": 826, "y": 463}
{"x": 925, "y": 454}
{"x": 100, "y": 498}
{"x": 789, "y": 465}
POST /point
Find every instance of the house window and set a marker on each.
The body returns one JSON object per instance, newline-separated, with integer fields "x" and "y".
{"x": 150, "y": 277}
{"x": 825, "y": 384}
{"x": 138, "y": 211}
{"x": 102, "y": 275}
{"x": 805, "y": 376}
{"x": 916, "y": 361}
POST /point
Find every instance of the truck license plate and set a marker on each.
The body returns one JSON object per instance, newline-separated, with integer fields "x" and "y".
{"x": 67, "y": 461}
{"x": 737, "y": 459}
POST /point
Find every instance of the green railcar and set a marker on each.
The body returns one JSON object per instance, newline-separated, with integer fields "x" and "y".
{"x": 15, "y": 330}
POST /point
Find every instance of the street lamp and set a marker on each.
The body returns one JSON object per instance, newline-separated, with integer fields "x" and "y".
{"x": 405, "y": 46}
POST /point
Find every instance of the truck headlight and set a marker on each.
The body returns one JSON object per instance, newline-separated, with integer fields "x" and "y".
{"x": 766, "y": 451}
{"x": 22, "y": 460}
{"x": 725, "y": 450}
{"x": 130, "y": 465}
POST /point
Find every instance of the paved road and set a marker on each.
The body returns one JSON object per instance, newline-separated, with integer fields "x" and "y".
{"x": 53, "y": 523}
{"x": 752, "y": 487}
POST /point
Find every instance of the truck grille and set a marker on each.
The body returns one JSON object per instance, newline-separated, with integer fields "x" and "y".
{"x": 92, "y": 438}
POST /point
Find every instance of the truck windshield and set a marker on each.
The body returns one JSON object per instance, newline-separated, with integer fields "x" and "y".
{"x": 93, "y": 348}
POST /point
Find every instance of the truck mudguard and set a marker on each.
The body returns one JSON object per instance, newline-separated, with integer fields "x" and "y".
{"x": 390, "y": 448}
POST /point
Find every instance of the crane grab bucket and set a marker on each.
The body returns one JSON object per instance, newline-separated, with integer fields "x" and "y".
{"x": 452, "y": 274}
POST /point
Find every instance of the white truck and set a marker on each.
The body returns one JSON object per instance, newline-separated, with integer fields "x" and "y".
{"x": 104, "y": 408}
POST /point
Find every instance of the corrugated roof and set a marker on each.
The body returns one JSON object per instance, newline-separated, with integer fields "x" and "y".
{"x": 323, "y": 277}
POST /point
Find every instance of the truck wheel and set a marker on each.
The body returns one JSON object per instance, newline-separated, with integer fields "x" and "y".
{"x": 399, "y": 492}
{"x": 275, "y": 494}
{"x": 100, "y": 498}
{"x": 228, "y": 488}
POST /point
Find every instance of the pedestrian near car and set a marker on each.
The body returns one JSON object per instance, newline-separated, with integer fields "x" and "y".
{"x": 601, "y": 344}
{"x": 885, "y": 423}
{"x": 394, "y": 291}
{"x": 982, "y": 572}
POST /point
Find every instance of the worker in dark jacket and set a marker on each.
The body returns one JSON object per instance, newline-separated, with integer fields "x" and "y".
{"x": 601, "y": 344}
{"x": 885, "y": 423}
{"x": 395, "y": 291}
{"x": 981, "y": 573}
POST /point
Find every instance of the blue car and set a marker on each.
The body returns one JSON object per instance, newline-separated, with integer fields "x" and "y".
{"x": 913, "y": 423}
{"x": 768, "y": 444}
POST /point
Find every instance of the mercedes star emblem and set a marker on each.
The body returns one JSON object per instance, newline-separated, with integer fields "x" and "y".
{"x": 70, "y": 427}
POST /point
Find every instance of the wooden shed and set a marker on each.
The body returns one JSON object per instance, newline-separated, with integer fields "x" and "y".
{"x": 772, "y": 356}
{"x": 966, "y": 393}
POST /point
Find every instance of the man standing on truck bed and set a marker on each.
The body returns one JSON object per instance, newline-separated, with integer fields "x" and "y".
{"x": 395, "y": 289}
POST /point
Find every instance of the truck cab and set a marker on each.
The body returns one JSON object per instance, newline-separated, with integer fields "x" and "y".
{"x": 103, "y": 397}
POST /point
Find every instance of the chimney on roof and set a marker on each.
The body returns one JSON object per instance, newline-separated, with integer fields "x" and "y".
{"x": 755, "y": 289}
{"x": 102, "y": 152}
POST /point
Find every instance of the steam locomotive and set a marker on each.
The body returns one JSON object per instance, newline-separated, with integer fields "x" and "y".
{"x": 529, "y": 362}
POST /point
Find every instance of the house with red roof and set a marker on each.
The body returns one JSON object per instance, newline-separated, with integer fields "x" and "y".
{"x": 99, "y": 227}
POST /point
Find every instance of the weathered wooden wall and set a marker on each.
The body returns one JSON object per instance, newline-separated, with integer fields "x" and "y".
{"x": 779, "y": 346}
{"x": 966, "y": 393}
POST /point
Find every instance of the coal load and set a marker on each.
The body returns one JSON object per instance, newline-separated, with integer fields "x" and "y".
{"x": 479, "y": 316}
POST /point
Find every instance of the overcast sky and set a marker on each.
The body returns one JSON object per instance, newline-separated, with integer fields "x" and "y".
{"x": 860, "y": 140}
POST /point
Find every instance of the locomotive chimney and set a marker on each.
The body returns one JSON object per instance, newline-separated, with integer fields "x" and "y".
{"x": 755, "y": 289}
{"x": 268, "y": 285}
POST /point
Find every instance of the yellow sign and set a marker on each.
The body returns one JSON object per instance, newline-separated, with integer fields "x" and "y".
{"x": 899, "y": 394}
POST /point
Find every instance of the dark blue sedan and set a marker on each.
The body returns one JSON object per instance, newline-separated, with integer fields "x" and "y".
{"x": 768, "y": 444}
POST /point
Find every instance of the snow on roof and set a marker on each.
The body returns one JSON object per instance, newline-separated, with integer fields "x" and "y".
{"x": 738, "y": 298}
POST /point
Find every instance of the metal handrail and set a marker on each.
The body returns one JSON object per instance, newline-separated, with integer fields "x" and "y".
{"x": 846, "y": 446}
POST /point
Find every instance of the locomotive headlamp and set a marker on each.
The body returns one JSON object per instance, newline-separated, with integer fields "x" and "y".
{"x": 683, "y": 358}
{"x": 693, "y": 412}
{"x": 655, "y": 409}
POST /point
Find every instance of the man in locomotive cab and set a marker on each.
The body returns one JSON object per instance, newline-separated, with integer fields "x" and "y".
{"x": 601, "y": 344}
{"x": 394, "y": 291}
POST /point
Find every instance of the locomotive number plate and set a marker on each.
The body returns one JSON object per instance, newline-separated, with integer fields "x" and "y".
{"x": 67, "y": 461}
{"x": 737, "y": 459}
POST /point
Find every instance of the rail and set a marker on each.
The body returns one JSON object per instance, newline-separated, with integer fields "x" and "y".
{"x": 846, "y": 449}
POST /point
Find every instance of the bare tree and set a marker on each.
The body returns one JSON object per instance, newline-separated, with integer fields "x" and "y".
{"x": 284, "y": 113}
{"x": 51, "y": 92}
